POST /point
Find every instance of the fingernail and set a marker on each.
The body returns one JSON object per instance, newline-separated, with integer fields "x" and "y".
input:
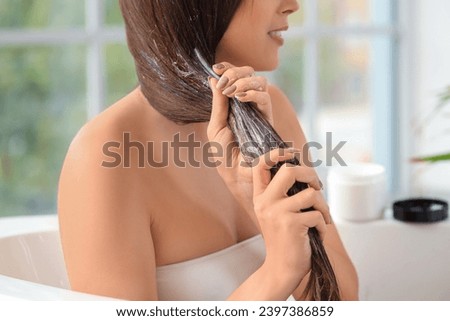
{"x": 222, "y": 82}
{"x": 229, "y": 90}
{"x": 240, "y": 95}
{"x": 293, "y": 150}
{"x": 219, "y": 66}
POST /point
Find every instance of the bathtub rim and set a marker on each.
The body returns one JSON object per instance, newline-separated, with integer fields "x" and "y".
{"x": 17, "y": 289}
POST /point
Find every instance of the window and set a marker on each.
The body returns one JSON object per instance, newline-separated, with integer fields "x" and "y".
{"x": 339, "y": 68}
{"x": 63, "y": 61}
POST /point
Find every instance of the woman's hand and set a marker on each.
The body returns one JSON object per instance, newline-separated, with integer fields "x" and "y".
{"x": 285, "y": 230}
{"x": 243, "y": 84}
{"x": 239, "y": 82}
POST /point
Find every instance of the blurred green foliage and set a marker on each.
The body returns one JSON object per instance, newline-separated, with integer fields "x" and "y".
{"x": 41, "y": 107}
{"x": 43, "y": 101}
{"x": 112, "y": 13}
{"x": 443, "y": 102}
{"x": 290, "y": 72}
{"x": 120, "y": 72}
{"x": 41, "y": 13}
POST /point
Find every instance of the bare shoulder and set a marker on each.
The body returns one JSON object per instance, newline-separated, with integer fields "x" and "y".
{"x": 125, "y": 116}
{"x": 104, "y": 221}
{"x": 100, "y": 141}
{"x": 90, "y": 162}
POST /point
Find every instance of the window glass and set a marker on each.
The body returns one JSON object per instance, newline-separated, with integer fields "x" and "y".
{"x": 298, "y": 18}
{"x": 37, "y": 14}
{"x": 120, "y": 72}
{"x": 289, "y": 74}
{"x": 353, "y": 75}
{"x": 42, "y": 106}
{"x": 112, "y": 13}
{"x": 355, "y": 12}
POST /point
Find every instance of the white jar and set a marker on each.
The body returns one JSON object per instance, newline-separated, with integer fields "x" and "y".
{"x": 357, "y": 192}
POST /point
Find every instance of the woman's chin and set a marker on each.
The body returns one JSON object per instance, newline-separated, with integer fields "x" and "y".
{"x": 268, "y": 65}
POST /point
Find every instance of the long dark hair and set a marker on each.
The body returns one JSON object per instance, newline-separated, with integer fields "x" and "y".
{"x": 162, "y": 37}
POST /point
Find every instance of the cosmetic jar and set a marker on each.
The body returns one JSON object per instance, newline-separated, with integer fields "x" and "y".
{"x": 357, "y": 192}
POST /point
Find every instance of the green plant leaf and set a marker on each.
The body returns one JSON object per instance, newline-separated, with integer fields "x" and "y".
{"x": 443, "y": 100}
{"x": 445, "y": 96}
{"x": 433, "y": 158}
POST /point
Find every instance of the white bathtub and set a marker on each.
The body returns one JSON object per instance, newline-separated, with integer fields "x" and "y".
{"x": 31, "y": 261}
{"x": 395, "y": 261}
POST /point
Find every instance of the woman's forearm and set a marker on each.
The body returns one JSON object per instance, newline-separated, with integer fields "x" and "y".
{"x": 346, "y": 276}
{"x": 264, "y": 285}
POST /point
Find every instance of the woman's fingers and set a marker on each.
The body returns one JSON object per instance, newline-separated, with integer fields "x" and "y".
{"x": 261, "y": 99}
{"x": 218, "y": 130}
{"x": 261, "y": 167}
{"x": 314, "y": 219}
{"x": 242, "y": 84}
{"x": 230, "y": 74}
{"x": 220, "y": 68}
{"x": 306, "y": 199}
{"x": 288, "y": 174}
{"x": 219, "y": 112}
{"x": 246, "y": 84}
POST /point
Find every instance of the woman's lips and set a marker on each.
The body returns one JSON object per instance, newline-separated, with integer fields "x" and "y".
{"x": 277, "y": 35}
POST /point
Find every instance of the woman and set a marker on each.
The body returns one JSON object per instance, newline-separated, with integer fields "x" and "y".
{"x": 183, "y": 223}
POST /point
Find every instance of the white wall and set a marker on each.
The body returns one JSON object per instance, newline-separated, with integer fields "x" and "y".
{"x": 431, "y": 61}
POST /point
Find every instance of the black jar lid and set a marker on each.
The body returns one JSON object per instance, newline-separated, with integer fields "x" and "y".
{"x": 423, "y": 210}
